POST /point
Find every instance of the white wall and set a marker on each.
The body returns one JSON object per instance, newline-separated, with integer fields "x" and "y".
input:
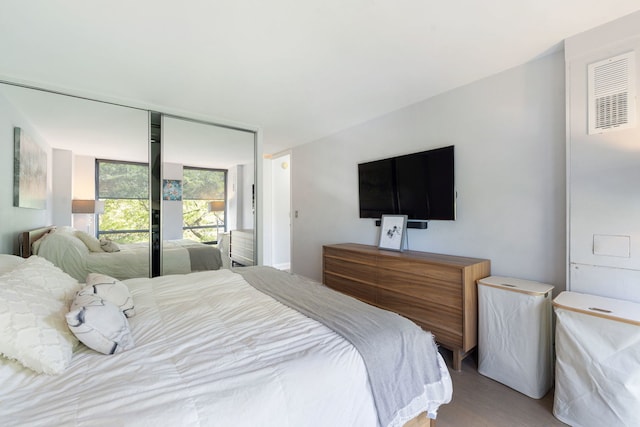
{"x": 509, "y": 137}
{"x": 240, "y": 179}
{"x": 62, "y": 184}
{"x": 84, "y": 188}
{"x": 84, "y": 177}
{"x": 15, "y": 220}
{"x": 172, "y": 209}
{"x": 604, "y": 174}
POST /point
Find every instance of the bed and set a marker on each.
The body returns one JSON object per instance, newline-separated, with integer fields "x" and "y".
{"x": 78, "y": 254}
{"x": 222, "y": 348}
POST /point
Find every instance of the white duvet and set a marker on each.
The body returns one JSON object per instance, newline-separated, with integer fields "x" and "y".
{"x": 210, "y": 351}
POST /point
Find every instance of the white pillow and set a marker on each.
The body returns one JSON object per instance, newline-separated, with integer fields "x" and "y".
{"x": 92, "y": 243}
{"x": 108, "y": 245}
{"x": 35, "y": 246}
{"x": 112, "y": 290}
{"x": 9, "y": 262}
{"x": 58, "y": 244}
{"x": 41, "y": 272}
{"x": 33, "y": 330}
{"x": 99, "y": 324}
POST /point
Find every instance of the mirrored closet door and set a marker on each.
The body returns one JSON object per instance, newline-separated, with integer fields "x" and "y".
{"x": 123, "y": 176}
{"x": 97, "y": 168}
{"x": 208, "y": 197}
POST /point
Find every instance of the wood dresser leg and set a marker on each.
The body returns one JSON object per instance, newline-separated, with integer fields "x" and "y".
{"x": 458, "y": 355}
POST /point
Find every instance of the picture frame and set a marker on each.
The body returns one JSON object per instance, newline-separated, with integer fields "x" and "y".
{"x": 393, "y": 231}
{"x": 172, "y": 190}
{"x": 29, "y": 172}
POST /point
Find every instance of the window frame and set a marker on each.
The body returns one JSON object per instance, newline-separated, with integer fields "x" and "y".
{"x": 106, "y": 233}
{"x": 223, "y": 224}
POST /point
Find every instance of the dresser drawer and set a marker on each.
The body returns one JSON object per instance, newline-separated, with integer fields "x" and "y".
{"x": 424, "y": 311}
{"x": 357, "y": 289}
{"x": 349, "y": 256}
{"x": 431, "y": 271}
{"x": 444, "y": 323}
{"x": 350, "y": 269}
{"x": 421, "y": 287}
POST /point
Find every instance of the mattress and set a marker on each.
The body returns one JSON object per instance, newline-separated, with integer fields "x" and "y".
{"x": 210, "y": 350}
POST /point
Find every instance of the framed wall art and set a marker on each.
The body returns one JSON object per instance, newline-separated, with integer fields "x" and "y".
{"x": 29, "y": 172}
{"x": 172, "y": 189}
{"x": 393, "y": 232}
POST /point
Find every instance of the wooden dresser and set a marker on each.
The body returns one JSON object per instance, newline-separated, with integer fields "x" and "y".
{"x": 438, "y": 292}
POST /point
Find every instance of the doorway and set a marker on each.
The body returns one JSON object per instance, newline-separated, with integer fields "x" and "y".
{"x": 281, "y": 210}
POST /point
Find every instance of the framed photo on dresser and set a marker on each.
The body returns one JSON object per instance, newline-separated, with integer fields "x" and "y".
{"x": 393, "y": 232}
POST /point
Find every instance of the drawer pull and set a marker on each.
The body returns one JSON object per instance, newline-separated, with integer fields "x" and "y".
{"x": 602, "y": 310}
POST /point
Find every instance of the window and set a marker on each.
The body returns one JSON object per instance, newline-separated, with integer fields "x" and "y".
{"x": 124, "y": 187}
{"x": 203, "y": 203}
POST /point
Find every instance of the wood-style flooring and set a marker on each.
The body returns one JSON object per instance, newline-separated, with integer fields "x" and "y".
{"x": 479, "y": 401}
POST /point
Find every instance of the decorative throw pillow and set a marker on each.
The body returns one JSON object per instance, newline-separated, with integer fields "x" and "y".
{"x": 99, "y": 324}
{"x": 92, "y": 243}
{"x": 112, "y": 290}
{"x": 108, "y": 245}
{"x": 41, "y": 272}
{"x": 33, "y": 330}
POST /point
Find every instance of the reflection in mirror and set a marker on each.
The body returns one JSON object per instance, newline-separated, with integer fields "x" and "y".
{"x": 100, "y": 153}
{"x": 208, "y": 177}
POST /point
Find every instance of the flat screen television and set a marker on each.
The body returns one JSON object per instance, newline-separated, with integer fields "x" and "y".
{"x": 419, "y": 185}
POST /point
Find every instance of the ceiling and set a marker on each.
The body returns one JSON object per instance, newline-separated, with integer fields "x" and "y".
{"x": 298, "y": 70}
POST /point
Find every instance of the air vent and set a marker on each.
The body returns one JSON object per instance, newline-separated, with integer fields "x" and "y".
{"x": 612, "y": 97}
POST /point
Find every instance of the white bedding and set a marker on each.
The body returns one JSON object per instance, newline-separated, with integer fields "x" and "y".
{"x": 74, "y": 257}
{"x": 210, "y": 351}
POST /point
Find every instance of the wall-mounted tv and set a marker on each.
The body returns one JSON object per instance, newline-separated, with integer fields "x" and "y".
{"x": 419, "y": 185}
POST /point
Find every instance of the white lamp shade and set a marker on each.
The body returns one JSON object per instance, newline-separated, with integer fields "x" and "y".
{"x": 87, "y": 206}
{"x": 216, "y": 206}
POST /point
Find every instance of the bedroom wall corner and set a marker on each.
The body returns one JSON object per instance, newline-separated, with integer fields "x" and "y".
{"x": 15, "y": 220}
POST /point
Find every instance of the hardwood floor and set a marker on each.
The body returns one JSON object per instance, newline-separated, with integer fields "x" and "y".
{"x": 479, "y": 401}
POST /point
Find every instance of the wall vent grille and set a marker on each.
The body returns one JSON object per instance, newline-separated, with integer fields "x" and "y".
{"x": 612, "y": 94}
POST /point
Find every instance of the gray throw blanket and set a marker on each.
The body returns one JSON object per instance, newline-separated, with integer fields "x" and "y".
{"x": 204, "y": 257}
{"x": 399, "y": 356}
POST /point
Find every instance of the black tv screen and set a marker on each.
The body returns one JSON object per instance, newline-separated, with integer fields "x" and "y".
{"x": 419, "y": 185}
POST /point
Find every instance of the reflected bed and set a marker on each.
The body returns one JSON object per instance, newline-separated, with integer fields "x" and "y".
{"x": 78, "y": 254}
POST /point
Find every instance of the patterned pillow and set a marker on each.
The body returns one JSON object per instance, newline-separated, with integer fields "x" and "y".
{"x": 108, "y": 245}
{"x": 33, "y": 330}
{"x": 99, "y": 324}
{"x": 38, "y": 271}
{"x": 112, "y": 290}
